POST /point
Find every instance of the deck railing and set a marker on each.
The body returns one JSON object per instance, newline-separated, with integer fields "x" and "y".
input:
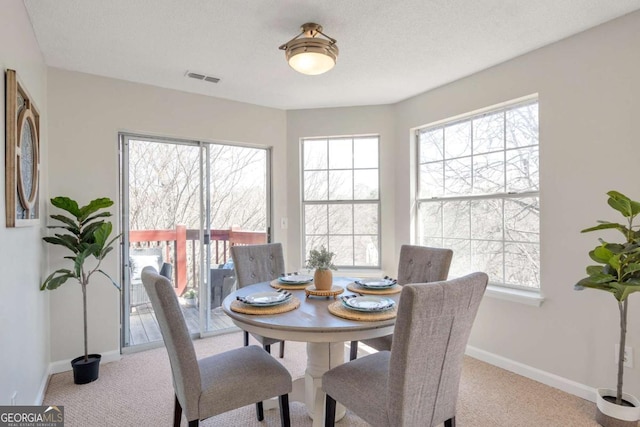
{"x": 180, "y": 248}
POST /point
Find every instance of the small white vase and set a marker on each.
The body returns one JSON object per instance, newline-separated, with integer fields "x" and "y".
{"x": 610, "y": 414}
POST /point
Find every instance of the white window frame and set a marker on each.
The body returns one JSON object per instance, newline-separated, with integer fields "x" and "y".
{"x": 515, "y": 292}
{"x": 354, "y": 202}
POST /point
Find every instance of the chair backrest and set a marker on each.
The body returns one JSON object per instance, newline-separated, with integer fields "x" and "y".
{"x": 167, "y": 270}
{"x": 421, "y": 264}
{"x": 217, "y": 275}
{"x": 257, "y": 263}
{"x": 431, "y": 333}
{"x": 139, "y": 258}
{"x": 182, "y": 356}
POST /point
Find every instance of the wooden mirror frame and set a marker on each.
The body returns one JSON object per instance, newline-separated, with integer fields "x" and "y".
{"x": 22, "y": 202}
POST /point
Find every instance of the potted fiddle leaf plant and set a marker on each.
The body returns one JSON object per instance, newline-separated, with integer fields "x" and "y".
{"x": 85, "y": 233}
{"x": 322, "y": 261}
{"x": 617, "y": 272}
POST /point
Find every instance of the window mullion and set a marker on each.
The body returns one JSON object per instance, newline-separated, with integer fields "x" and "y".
{"x": 444, "y": 150}
{"x": 353, "y": 234}
{"x": 506, "y": 189}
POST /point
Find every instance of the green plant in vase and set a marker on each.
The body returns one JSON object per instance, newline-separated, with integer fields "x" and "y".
{"x": 617, "y": 272}
{"x": 86, "y": 234}
{"x": 322, "y": 261}
{"x": 190, "y": 297}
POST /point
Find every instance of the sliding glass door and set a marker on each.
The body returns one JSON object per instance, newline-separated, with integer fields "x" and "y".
{"x": 238, "y": 214}
{"x": 184, "y": 204}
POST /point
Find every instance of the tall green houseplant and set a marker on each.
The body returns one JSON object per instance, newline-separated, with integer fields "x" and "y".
{"x": 618, "y": 269}
{"x": 86, "y": 234}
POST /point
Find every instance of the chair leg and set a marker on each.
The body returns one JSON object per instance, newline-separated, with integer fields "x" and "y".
{"x": 267, "y": 348}
{"x": 353, "y": 353}
{"x": 329, "y": 412}
{"x": 177, "y": 413}
{"x": 246, "y": 338}
{"x": 451, "y": 422}
{"x": 194, "y": 423}
{"x": 259, "y": 411}
{"x": 285, "y": 420}
{"x": 281, "y": 349}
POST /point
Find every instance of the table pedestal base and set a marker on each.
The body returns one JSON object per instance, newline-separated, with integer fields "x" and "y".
{"x": 320, "y": 358}
{"x": 308, "y": 389}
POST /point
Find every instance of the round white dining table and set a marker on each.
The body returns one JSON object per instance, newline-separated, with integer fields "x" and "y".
{"x": 324, "y": 333}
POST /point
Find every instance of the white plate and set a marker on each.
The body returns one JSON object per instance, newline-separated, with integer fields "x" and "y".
{"x": 295, "y": 279}
{"x": 270, "y": 304}
{"x": 376, "y": 283}
{"x": 369, "y": 303}
{"x": 266, "y": 298}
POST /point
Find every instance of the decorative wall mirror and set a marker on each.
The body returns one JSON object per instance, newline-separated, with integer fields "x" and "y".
{"x": 22, "y": 155}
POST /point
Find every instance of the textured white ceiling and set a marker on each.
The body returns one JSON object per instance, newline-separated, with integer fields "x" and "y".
{"x": 390, "y": 50}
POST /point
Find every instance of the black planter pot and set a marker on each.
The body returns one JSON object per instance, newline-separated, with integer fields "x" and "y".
{"x": 86, "y": 372}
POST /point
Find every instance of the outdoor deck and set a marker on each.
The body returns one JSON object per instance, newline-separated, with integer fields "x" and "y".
{"x": 144, "y": 326}
{"x": 179, "y": 247}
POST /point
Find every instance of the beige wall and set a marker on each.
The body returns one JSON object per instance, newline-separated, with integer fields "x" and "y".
{"x": 24, "y": 330}
{"x": 589, "y": 99}
{"x": 332, "y": 122}
{"x": 88, "y": 112}
{"x": 588, "y": 89}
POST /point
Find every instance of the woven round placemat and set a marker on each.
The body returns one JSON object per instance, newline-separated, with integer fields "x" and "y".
{"x": 354, "y": 287}
{"x": 335, "y": 290}
{"x": 337, "y": 309}
{"x": 276, "y": 284}
{"x": 243, "y": 308}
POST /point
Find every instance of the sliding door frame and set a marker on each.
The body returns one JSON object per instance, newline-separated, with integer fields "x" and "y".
{"x": 124, "y": 139}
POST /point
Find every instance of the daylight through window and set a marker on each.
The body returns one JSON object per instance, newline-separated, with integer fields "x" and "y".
{"x": 341, "y": 198}
{"x": 478, "y": 193}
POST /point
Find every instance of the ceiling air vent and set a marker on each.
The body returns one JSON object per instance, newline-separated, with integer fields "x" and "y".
{"x": 200, "y": 76}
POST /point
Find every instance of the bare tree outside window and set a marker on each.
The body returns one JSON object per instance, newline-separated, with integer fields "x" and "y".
{"x": 478, "y": 193}
{"x": 341, "y": 201}
{"x": 165, "y": 188}
{"x": 164, "y": 185}
{"x": 238, "y": 187}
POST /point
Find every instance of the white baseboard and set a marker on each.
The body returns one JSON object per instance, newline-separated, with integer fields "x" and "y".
{"x": 43, "y": 387}
{"x": 65, "y": 365}
{"x": 552, "y": 380}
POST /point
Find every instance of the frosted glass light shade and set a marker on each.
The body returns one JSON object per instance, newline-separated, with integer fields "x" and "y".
{"x": 311, "y": 63}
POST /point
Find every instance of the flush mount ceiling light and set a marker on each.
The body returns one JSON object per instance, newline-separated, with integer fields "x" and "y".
{"x": 311, "y": 54}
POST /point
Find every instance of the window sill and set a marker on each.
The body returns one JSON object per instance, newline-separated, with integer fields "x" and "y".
{"x": 362, "y": 273}
{"x": 532, "y": 298}
{"x": 359, "y": 273}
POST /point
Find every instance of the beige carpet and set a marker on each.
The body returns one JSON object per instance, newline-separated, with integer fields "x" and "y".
{"x": 137, "y": 391}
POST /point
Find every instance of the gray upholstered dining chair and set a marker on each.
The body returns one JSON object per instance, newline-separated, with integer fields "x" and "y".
{"x": 416, "y": 383}
{"x": 255, "y": 264}
{"x": 214, "y": 384}
{"x": 418, "y": 264}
